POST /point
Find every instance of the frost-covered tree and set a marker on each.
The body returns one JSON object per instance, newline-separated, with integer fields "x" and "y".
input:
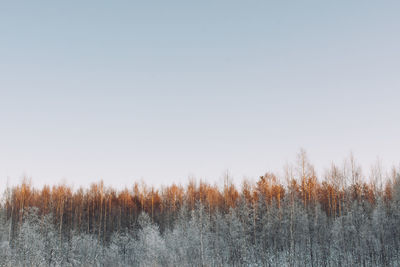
{"x": 338, "y": 221}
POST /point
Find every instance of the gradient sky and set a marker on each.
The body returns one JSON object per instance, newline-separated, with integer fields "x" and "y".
{"x": 164, "y": 90}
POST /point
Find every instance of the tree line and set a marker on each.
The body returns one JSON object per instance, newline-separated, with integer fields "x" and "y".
{"x": 341, "y": 218}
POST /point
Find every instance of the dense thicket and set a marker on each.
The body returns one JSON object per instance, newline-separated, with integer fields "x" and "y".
{"x": 299, "y": 219}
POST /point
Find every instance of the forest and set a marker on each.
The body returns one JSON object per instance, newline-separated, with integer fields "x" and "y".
{"x": 343, "y": 217}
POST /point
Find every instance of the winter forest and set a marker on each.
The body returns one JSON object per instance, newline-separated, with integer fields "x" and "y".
{"x": 343, "y": 217}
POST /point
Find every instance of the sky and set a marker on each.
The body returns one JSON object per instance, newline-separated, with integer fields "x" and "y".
{"x": 159, "y": 91}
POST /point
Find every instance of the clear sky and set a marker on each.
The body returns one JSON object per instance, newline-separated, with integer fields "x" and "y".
{"x": 163, "y": 90}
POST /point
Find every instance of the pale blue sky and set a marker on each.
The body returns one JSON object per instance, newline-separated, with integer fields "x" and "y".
{"x": 160, "y": 90}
